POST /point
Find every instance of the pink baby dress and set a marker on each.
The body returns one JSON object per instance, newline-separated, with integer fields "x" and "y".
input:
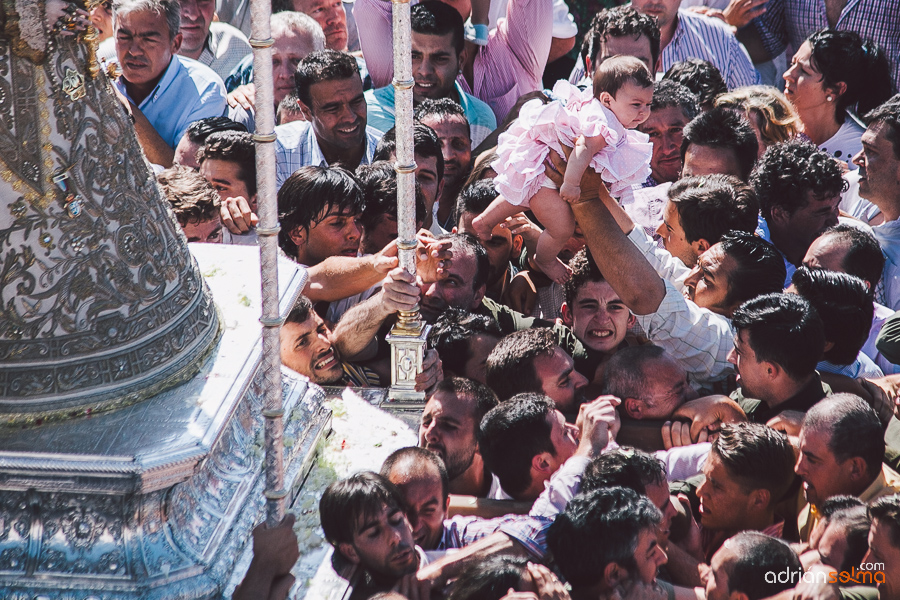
{"x": 522, "y": 149}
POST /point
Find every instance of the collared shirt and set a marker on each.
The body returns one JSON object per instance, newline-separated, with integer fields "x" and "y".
{"x": 759, "y": 411}
{"x": 380, "y": 104}
{"x": 863, "y": 366}
{"x": 187, "y": 92}
{"x": 789, "y": 22}
{"x": 296, "y": 146}
{"x": 710, "y": 39}
{"x": 531, "y": 532}
{"x": 510, "y": 65}
{"x": 888, "y": 289}
{"x": 887, "y": 483}
{"x": 225, "y": 47}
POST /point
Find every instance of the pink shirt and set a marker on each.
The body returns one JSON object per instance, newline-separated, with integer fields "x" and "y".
{"x": 510, "y": 65}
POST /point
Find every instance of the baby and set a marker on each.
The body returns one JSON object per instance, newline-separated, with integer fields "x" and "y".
{"x": 599, "y": 128}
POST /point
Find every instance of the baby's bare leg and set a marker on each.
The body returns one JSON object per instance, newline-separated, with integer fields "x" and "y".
{"x": 559, "y": 223}
{"x": 493, "y": 215}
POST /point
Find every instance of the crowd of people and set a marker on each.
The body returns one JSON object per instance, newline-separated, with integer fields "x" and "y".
{"x": 661, "y": 274}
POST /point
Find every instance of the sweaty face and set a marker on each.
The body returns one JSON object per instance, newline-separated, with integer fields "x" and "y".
{"x": 631, "y": 104}
{"x": 453, "y": 289}
{"x": 435, "y": 66}
{"x": 143, "y": 46}
{"x": 383, "y": 545}
{"x": 823, "y": 476}
{"x": 804, "y": 84}
{"x": 649, "y": 556}
{"x": 879, "y": 167}
{"x": 722, "y": 497}
{"x": 306, "y": 348}
{"x": 559, "y": 380}
{"x": 456, "y": 146}
{"x": 208, "y": 232}
{"x": 665, "y": 11}
{"x": 448, "y": 429}
{"x": 638, "y": 47}
{"x": 708, "y": 282}
{"x": 706, "y": 160}
{"x": 287, "y": 52}
{"x": 717, "y": 587}
{"x": 598, "y": 317}
{"x": 673, "y": 236}
{"x": 425, "y": 502}
{"x": 665, "y": 126}
{"x": 196, "y": 16}
{"x": 330, "y": 15}
{"x": 810, "y": 220}
{"x": 226, "y": 177}
{"x": 337, "y": 234}
{"x": 338, "y": 113}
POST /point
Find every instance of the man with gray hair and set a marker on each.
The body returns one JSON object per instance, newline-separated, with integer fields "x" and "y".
{"x": 841, "y": 452}
{"x": 162, "y": 91}
{"x": 651, "y": 384}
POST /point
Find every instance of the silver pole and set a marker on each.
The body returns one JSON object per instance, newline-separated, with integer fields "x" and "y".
{"x": 408, "y": 336}
{"x": 267, "y": 231}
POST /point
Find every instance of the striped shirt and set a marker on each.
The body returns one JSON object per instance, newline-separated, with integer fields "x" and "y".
{"x": 786, "y": 23}
{"x": 296, "y": 146}
{"x": 512, "y": 63}
{"x": 710, "y": 39}
{"x": 531, "y": 532}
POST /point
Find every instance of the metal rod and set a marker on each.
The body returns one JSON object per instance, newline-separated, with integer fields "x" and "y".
{"x": 267, "y": 232}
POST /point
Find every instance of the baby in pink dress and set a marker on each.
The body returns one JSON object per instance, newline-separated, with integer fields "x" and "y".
{"x": 598, "y": 126}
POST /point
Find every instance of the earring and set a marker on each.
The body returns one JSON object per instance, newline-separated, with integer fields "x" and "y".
{"x": 829, "y": 98}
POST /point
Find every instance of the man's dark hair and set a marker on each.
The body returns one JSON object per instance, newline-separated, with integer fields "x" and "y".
{"x": 584, "y": 271}
{"x": 667, "y": 93}
{"x": 198, "y": 131}
{"x": 723, "y": 129}
{"x": 319, "y": 66}
{"x": 443, "y": 108}
{"x": 475, "y": 198}
{"x": 757, "y": 555}
{"x": 309, "y": 194}
{"x": 621, "y": 21}
{"x": 615, "y": 515}
{"x": 854, "y": 525}
{"x": 511, "y": 434}
{"x": 853, "y": 429}
{"x": 417, "y": 462}
{"x": 378, "y": 183}
{"x": 510, "y": 366}
{"x": 425, "y": 143}
{"x": 626, "y": 374}
{"x": 783, "y": 329}
{"x": 302, "y": 309}
{"x": 471, "y": 243}
{"x": 889, "y": 114}
{"x": 490, "y": 578}
{"x": 451, "y": 333}
{"x": 787, "y": 171}
{"x": 236, "y": 147}
{"x": 864, "y": 258}
{"x": 711, "y": 205}
{"x": 701, "y": 77}
{"x": 756, "y": 456}
{"x": 837, "y": 503}
{"x": 846, "y": 306}
{"x": 887, "y": 511}
{"x": 844, "y": 56}
{"x": 349, "y": 502}
{"x": 627, "y": 467}
{"x": 434, "y": 17}
{"x": 483, "y": 398}
{"x": 760, "y": 269}
{"x": 617, "y": 71}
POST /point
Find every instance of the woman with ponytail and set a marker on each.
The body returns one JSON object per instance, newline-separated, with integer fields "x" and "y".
{"x": 835, "y": 77}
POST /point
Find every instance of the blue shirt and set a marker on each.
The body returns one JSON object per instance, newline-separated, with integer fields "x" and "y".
{"x": 296, "y": 146}
{"x": 380, "y": 106}
{"x": 188, "y": 91}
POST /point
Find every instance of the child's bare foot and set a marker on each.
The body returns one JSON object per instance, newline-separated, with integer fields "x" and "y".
{"x": 554, "y": 269}
{"x": 481, "y": 228}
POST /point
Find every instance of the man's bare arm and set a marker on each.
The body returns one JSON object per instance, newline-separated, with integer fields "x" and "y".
{"x": 155, "y": 148}
{"x": 339, "y": 277}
